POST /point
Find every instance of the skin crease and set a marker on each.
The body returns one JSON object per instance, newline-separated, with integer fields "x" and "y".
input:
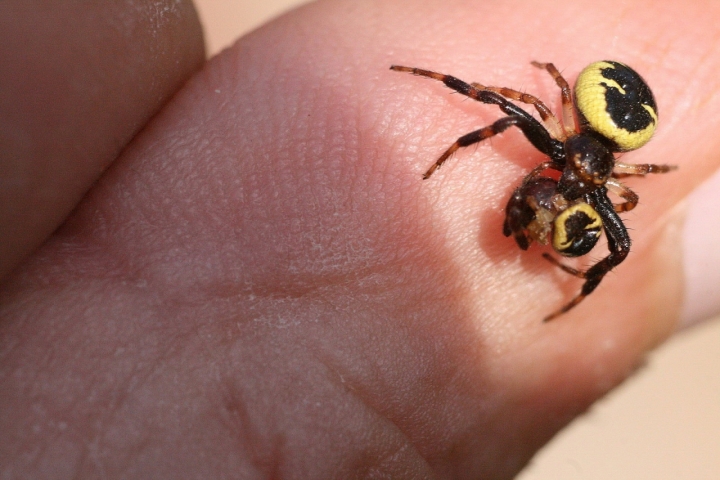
{"x": 262, "y": 285}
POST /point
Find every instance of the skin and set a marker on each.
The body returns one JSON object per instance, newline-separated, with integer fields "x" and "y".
{"x": 261, "y": 285}
{"x": 79, "y": 81}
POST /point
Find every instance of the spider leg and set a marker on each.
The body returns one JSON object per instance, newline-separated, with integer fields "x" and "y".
{"x": 618, "y": 244}
{"x": 562, "y": 266}
{"x": 533, "y": 129}
{"x": 631, "y": 198}
{"x": 539, "y": 169}
{"x": 464, "y": 88}
{"x": 624, "y": 169}
{"x": 548, "y": 117}
{"x": 565, "y": 94}
{"x": 528, "y": 128}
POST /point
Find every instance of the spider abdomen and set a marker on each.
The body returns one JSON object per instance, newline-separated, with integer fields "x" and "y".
{"x": 614, "y": 101}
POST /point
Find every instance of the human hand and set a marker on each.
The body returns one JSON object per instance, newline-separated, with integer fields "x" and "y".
{"x": 262, "y": 284}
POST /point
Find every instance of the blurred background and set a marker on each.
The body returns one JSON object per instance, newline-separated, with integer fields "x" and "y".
{"x": 662, "y": 424}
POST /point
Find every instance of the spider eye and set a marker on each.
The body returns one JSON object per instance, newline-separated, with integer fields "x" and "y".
{"x": 576, "y": 230}
{"x": 614, "y": 101}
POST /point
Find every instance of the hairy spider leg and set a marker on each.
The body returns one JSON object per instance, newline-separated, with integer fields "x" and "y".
{"x": 531, "y": 128}
{"x": 568, "y": 106}
{"x": 622, "y": 170}
{"x": 618, "y": 244}
{"x": 539, "y": 169}
{"x": 631, "y": 198}
{"x": 549, "y": 119}
{"x": 626, "y": 169}
{"x": 471, "y": 138}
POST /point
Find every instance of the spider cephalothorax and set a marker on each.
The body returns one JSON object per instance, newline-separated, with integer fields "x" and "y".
{"x": 612, "y": 110}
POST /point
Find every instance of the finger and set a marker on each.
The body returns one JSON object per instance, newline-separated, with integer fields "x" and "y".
{"x": 78, "y": 80}
{"x": 269, "y": 252}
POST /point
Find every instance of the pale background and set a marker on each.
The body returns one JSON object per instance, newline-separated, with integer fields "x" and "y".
{"x": 663, "y": 424}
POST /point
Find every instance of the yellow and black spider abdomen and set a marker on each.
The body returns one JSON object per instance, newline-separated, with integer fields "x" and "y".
{"x": 614, "y": 101}
{"x": 576, "y": 230}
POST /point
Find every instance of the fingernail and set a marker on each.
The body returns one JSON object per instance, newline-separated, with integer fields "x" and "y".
{"x": 701, "y": 254}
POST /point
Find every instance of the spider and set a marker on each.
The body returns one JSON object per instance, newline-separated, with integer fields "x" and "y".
{"x": 612, "y": 110}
